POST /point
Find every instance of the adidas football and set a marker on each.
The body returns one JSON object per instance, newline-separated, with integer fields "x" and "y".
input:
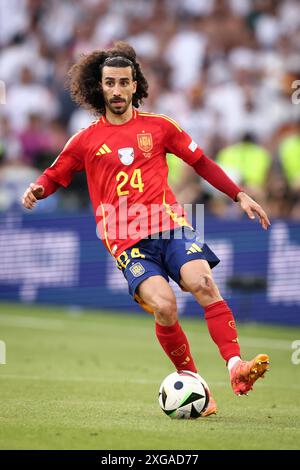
{"x": 183, "y": 395}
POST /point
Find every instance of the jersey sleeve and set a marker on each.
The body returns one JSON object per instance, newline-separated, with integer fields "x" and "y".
{"x": 68, "y": 162}
{"x": 178, "y": 142}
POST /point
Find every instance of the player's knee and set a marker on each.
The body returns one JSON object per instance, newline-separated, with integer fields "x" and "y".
{"x": 204, "y": 285}
{"x": 165, "y": 309}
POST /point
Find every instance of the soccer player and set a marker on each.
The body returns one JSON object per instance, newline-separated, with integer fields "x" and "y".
{"x": 123, "y": 154}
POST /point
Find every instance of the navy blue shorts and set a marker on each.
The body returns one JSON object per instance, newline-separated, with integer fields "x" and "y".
{"x": 163, "y": 257}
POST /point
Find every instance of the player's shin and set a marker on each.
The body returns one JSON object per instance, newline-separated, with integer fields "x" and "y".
{"x": 222, "y": 329}
{"x": 175, "y": 344}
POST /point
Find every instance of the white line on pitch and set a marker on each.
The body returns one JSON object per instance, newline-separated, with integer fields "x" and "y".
{"x": 31, "y": 322}
{"x": 115, "y": 380}
{"x": 17, "y": 321}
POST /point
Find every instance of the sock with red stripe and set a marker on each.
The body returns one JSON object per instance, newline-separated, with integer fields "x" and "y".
{"x": 222, "y": 328}
{"x": 175, "y": 344}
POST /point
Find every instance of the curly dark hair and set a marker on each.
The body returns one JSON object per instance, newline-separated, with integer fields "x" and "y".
{"x": 84, "y": 76}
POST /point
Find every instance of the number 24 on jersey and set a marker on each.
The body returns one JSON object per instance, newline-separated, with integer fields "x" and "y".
{"x": 135, "y": 182}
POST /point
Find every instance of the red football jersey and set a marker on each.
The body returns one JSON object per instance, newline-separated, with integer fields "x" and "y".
{"x": 127, "y": 175}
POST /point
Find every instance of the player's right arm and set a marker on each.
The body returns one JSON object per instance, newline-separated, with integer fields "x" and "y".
{"x": 60, "y": 173}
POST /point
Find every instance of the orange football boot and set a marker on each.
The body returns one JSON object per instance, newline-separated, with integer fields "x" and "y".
{"x": 245, "y": 373}
{"x": 211, "y": 408}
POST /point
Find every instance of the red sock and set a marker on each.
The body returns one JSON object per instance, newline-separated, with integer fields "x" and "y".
{"x": 175, "y": 344}
{"x": 221, "y": 325}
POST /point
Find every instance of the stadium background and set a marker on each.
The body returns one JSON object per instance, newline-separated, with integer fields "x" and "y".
{"x": 227, "y": 71}
{"x": 78, "y": 375}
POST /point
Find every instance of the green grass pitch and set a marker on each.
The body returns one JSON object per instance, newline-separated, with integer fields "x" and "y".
{"x": 90, "y": 381}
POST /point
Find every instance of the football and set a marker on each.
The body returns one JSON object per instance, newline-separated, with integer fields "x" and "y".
{"x": 183, "y": 395}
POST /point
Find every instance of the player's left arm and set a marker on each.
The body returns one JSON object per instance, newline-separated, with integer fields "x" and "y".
{"x": 183, "y": 146}
{"x": 251, "y": 208}
{"x": 213, "y": 173}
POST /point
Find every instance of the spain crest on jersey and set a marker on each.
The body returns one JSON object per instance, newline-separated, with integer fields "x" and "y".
{"x": 145, "y": 142}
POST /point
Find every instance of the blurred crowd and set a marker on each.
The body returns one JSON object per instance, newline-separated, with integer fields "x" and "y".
{"x": 227, "y": 70}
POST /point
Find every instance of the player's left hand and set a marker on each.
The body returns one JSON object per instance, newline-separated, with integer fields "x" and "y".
{"x": 251, "y": 208}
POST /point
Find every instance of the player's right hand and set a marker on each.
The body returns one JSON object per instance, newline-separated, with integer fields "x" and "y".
{"x": 32, "y": 194}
